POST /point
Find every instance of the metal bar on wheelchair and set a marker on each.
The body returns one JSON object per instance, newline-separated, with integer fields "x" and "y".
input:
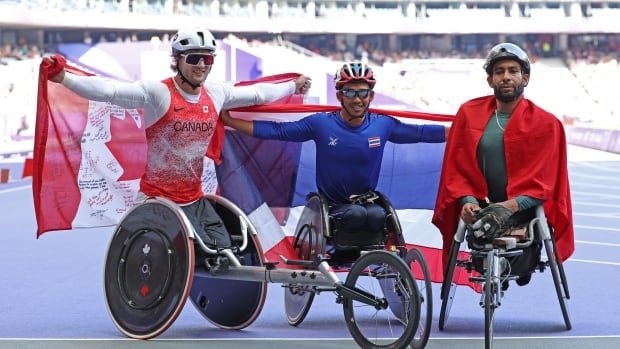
{"x": 361, "y": 296}
{"x": 459, "y": 236}
{"x": 321, "y": 278}
{"x": 543, "y": 231}
{"x": 278, "y": 275}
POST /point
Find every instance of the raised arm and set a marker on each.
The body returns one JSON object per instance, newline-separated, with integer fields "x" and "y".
{"x": 260, "y": 93}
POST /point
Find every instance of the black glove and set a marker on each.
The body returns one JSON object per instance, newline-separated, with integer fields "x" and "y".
{"x": 491, "y": 222}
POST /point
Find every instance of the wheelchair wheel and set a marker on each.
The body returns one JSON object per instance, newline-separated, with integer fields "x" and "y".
{"x": 417, "y": 263}
{"x": 309, "y": 243}
{"x": 149, "y": 268}
{"x": 560, "y": 268}
{"x": 373, "y": 273}
{"x": 558, "y": 281}
{"x": 231, "y": 304}
{"x": 491, "y": 287}
{"x": 448, "y": 287}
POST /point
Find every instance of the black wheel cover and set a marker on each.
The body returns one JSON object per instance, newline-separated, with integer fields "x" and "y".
{"x": 148, "y": 269}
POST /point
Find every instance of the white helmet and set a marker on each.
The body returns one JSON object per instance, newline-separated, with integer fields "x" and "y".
{"x": 193, "y": 39}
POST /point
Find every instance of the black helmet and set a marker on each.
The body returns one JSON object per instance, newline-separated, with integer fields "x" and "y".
{"x": 509, "y": 51}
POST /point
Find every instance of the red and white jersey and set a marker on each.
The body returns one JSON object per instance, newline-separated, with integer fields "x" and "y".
{"x": 177, "y": 144}
{"x": 179, "y": 126}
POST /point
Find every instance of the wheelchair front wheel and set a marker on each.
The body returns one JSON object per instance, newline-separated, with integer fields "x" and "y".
{"x": 308, "y": 244}
{"x": 448, "y": 287}
{"x": 417, "y": 263}
{"x": 558, "y": 281}
{"x": 378, "y": 327}
{"x": 491, "y": 287}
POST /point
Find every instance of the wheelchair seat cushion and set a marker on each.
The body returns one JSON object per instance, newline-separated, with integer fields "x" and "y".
{"x": 358, "y": 239}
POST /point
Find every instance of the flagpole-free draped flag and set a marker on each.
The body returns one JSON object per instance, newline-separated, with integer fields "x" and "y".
{"x": 89, "y": 157}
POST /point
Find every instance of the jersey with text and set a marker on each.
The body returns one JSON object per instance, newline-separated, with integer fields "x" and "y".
{"x": 177, "y": 144}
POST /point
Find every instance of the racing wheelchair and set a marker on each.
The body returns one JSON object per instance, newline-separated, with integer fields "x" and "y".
{"x": 151, "y": 270}
{"x": 488, "y": 266}
{"x": 317, "y": 238}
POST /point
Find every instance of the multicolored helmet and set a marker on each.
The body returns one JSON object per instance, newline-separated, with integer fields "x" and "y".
{"x": 507, "y": 50}
{"x": 354, "y": 71}
{"x": 193, "y": 39}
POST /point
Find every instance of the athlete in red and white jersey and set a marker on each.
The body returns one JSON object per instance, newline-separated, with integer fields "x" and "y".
{"x": 180, "y": 114}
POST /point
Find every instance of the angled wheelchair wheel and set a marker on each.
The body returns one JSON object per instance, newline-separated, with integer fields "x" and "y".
{"x": 417, "y": 263}
{"x": 226, "y": 303}
{"x": 491, "y": 287}
{"x": 309, "y": 242}
{"x": 560, "y": 269}
{"x": 558, "y": 281}
{"x": 448, "y": 287}
{"x": 383, "y": 276}
{"x": 149, "y": 268}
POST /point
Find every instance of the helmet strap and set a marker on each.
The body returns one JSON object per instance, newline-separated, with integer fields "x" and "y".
{"x": 184, "y": 79}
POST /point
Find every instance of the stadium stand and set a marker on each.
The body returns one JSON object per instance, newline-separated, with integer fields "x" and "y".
{"x": 428, "y": 53}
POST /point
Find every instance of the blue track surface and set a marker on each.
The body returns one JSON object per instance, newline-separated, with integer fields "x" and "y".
{"x": 52, "y": 287}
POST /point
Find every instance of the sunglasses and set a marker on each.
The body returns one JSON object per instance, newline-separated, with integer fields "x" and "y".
{"x": 194, "y": 58}
{"x": 350, "y": 93}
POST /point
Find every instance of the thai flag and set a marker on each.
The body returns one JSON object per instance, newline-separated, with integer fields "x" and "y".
{"x": 89, "y": 158}
{"x": 374, "y": 142}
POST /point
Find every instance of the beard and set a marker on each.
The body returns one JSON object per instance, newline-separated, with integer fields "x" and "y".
{"x": 509, "y": 97}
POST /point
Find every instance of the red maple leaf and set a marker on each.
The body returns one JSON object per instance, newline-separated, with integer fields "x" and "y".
{"x": 128, "y": 145}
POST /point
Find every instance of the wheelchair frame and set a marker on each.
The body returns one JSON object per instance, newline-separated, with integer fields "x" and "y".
{"x": 312, "y": 235}
{"x": 492, "y": 278}
{"x": 144, "y": 297}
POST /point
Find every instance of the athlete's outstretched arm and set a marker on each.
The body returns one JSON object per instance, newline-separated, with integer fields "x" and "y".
{"x": 240, "y": 125}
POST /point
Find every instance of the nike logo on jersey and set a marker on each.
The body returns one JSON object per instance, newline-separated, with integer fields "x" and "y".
{"x": 178, "y": 109}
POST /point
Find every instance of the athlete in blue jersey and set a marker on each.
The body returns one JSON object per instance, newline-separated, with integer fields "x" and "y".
{"x": 349, "y": 145}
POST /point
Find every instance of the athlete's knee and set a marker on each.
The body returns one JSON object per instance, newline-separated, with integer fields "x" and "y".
{"x": 375, "y": 217}
{"x": 353, "y": 217}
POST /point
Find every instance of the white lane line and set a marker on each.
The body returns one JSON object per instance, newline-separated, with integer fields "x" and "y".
{"x": 593, "y": 262}
{"x": 597, "y": 195}
{"x": 592, "y": 227}
{"x": 605, "y": 187}
{"x": 598, "y": 215}
{"x": 598, "y": 204}
{"x": 9, "y": 190}
{"x": 599, "y": 167}
{"x": 591, "y": 176}
{"x": 597, "y": 243}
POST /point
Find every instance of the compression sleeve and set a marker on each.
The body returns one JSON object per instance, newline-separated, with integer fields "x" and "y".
{"x": 469, "y": 200}
{"x": 412, "y": 133}
{"x": 153, "y": 96}
{"x": 296, "y": 131}
{"x": 243, "y": 96}
{"x": 526, "y": 202}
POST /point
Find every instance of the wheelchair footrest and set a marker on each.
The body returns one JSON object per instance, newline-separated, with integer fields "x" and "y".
{"x": 477, "y": 278}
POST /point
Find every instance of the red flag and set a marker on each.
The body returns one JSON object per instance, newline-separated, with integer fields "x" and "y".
{"x": 89, "y": 156}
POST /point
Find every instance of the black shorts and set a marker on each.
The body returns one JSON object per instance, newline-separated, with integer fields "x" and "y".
{"x": 207, "y": 223}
